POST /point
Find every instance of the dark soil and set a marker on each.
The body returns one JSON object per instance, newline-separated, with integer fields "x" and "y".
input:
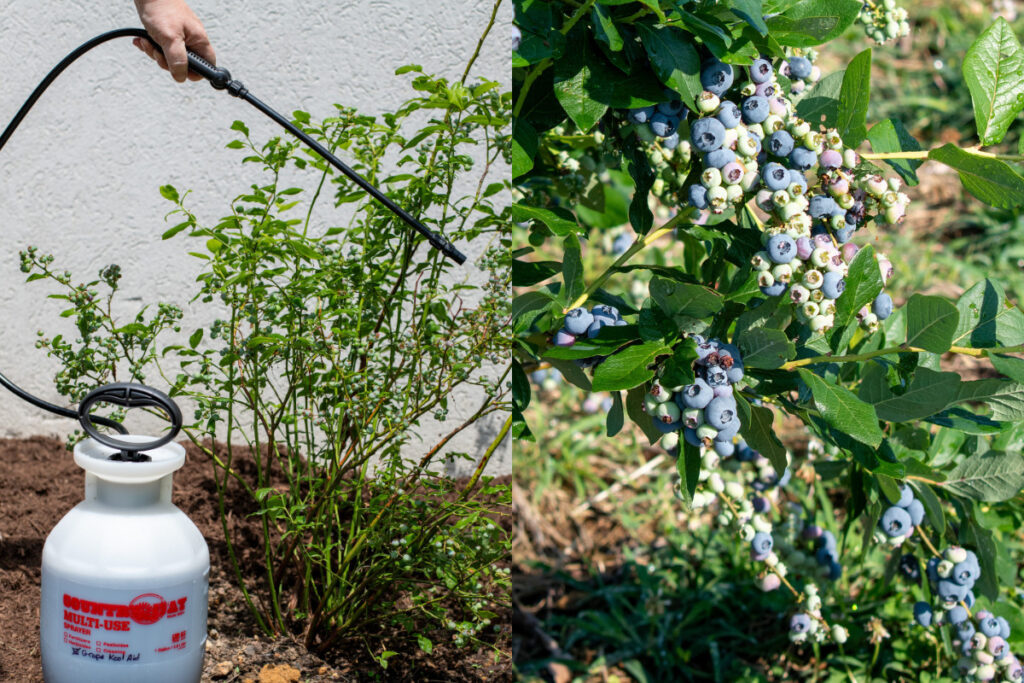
{"x": 39, "y": 483}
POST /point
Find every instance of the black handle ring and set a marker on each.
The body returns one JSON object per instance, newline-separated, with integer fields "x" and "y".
{"x": 130, "y": 396}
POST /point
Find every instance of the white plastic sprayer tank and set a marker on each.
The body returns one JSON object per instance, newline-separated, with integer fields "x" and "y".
{"x": 125, "y": 577}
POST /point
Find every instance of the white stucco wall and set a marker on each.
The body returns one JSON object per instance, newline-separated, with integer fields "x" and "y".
{"x": 80, "y": 178}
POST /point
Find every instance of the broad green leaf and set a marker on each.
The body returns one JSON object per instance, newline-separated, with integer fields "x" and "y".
{"x": 813, "y": 22}
{"x": 994, "y": 72}
{"x": 759, "y": 432}
{"x": 929, "y": 393}
{"x": 636, "y": 412}
{"x": 863, "y": 283}
{"x": 892, "y": 136}
{"x": 990, "y": 477}
{"x": 628, "y": 368}
{"x": 674, "y": 59}
{"x": 931, "y": 322}
{"x": 528, "y": 302}
{"x": 572, "y": 270}
{"x": 572, "y": 373}
{"x": 572, "y": 74}
{"x": 688, "y": 466}
{"x": 853, "y": 100}
{"x": 1009, "y": 366}
{"x": 751, "y": 12}
{"x": 932, "y": 505}
{"x": 821, "y": 104}
{"x": 973, "y": 535}
{"x": 1006, "y": 399}
{"x": 679, "y": 299}
{"x": 765, "y": 348}
{"x": 990, "y": 180}
{"x": 560, "y": 221}
{"x": 604, "y": 27}
{"x": 616, "y": 416}
{"x": 841, "y": 408}
{"x": 524, "y": 147}
{"x": 521, "y": 390}
{"x": 987, "y": 318}
{"x": 639, "y": 167}
{"x": 678, "y": 370}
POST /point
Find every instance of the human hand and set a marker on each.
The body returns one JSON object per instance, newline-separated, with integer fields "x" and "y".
{"x": 175, "y": 27}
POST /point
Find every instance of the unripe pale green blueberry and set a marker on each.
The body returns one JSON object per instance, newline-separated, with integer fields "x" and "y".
{"x": 670, "y": 440}
{"x": 812, "y": 279}
{"x": 717, "y": 197}
{"x": 790, "y": 210}
{"x": 732, "y": 135}
{"x": 833, "y": 139}
{"x": 734, "y": 193}
{"x": 762, "y": 524}
{"x": 845, "y": 201}
{"x": 893, "y": 214}
{"x": 955, "y": 554}
{"x": 706, "y": 432}
{"x": 734, "y": 490}
{"x": 800, "y": 224}
{"x": 837, "y": 266}
{"x": 707, "y": 102}
{"x": 756, "y": 129}
{"x": 781, "y": 569}
{"x": 650, "y": 405}
{"x": 810, "y": 139}
{"x": 850, "y": 158}
{"x": 747, "y": 533}
{"x": 782, "y": 272}
{"x": 781, "y": 198}
{"x": 827, "y": 307}
{"x": 799, "y": 128}
{"x": 761, "y": 261}
{"x": 765, "y": 278}
{"x": 839, "y": 634}
{"x": 889, "y": 198}
{"x": 810, "y": 309}
{"x": 656, "y": 158}
{"x": 870, "y": 323}
{"x": 772, "y": 123}
{"x": 685, "y": 151}
{"x": 876, "y": 186}
{"x": 709, "y": 459}
{"x": 748, "y": 89}
{"x": 799, "y": 294}
{"x": 659, "y": 393}
{"x": 820, "y": 257}
{"x": 667, "y": 412}
{"x": 815, "y": 74}
{"x": 817, "y": 296}
{"x": 985, "y": 659}
{"x": 796, "y": 190}
{"x": 811, "y": 589}
{"x": 772, "y": 559}
{"x": 693, "y": 418}
{"x": 978, "y": 640}
{"x": 711, "y": 177}
{"x": 749, "y": 181}
{"x": 658, "y": 186}
{"x": 818, "y": 323}
{"x": 944, "y": 569}
{"x": 745, "y": 146}
{"x": 814, "y": 602}
{"x": 716, "y": 483}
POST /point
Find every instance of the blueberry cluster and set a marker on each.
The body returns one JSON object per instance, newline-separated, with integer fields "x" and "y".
{"x": 800, "y": 70}
{"x": 981, "y": 637}
{"x": 883, "y": 21}
{"x": 898, "y": 520}
{"x": 809, "y": 624}
{"x": 580, "y": 322}
{"x": 754, "y": 146}
{"x": 706, "y": 410}
{"x": 661, "y": 121}
{"x": 826, "y": 551}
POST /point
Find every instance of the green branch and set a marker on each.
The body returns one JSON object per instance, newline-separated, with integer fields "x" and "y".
{"x": 923, "y": 154}
{"x": 903, "y": 348}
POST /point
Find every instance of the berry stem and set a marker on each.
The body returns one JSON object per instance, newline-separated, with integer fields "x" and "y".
{"x": 633, "y": 250}
{"x": 923, "y": 154}
{"x": 902, "y": 348}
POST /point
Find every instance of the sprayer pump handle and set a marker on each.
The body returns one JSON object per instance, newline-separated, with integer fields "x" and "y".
{"x": 129, "y": 395}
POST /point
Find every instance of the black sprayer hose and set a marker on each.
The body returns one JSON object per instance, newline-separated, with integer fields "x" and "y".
{"x": 220, "y": 79}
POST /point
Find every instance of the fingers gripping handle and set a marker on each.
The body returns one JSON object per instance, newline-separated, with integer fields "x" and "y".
{"x": 129, "y": 396}
{"x": 219, "y": 77}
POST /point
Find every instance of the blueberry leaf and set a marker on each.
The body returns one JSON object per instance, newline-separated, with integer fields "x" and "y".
{"x": 990, "y": 477}
{"x": 751, "y": 11}
{"x": 559, "y": 221}
{"x": 931, "y": 323}
{"x": 628, "y": 368}
{"x": 813, "y": 22}
{"x": 892, "y": 136}
{"x": 674, "y": 59}
{"x": 929, "y": 393}
{"x": 987, "y": 318}
{"x": 854, "y": 95}
{"x": 573, "y": 73}
{"x": 688, "y": 466}
{"x": 604, "y": 27}
{"x": 863, "y": 283}
{"x": 821, "y": 104}
{"x": 524, "y": 147}
{"x": 1006, "y": 399}
{"x": 756, "y": 425}
{"x": 994, "y": 72}
{"x": 841, "y": 408}
{"x": 616, "y": 416}
{"x": 572, "y": 269}
{"x": 990, "y": 180}
{"x": 636, "y": 412}
{"x": 765, "y": 348}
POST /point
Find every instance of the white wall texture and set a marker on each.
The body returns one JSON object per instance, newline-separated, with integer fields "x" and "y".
{"x": 80, "y": 178}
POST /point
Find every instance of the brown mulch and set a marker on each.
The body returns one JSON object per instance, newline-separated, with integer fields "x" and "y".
{"x": 39, "y": 483}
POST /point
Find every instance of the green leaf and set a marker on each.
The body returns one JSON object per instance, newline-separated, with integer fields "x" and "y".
{"x": 994, "y": 72}
{"x": 853, "y": 100}
{"x": 176, "y": 229}
{"x": 892, "y": 136}
{"x": 756, "y": 425}
{"x": 636, "y": 412}
{"x": 604, "y": 27}
{"x": 679, "y": 299}
{"x": 1009, "y": 366}
{"x": 197, "y": 336}
{"x": 932, "y": 505}
{"x": 572, "y": 373}
{"x": 987, "y": 318}
{"x": 929, "y": 393}
{"x": 572, "y": 270}
{"x": 424, "y": 643}
{"x": 674, "y": 58}
{"x": 628, "y": 368}
{"x": 1006, "y": 399}
{"x": 813, "y": 22}
{"x": 863, "y": 283}
{"x": 990, "y": 477}
{"x": 521, "y": 390}
{"x": 678, "y": 370}
{"x": 751, "y": 12}
{"x": 524, "y": 147}
{"x": 169, "y": 192}
{"x": 843, "y": 410}
{"x": 974, "y": 535}
{"x": 821, "y": 104}
{"x": 616, "y": 416}
{"x": 572, "y": 74}
{"x": 765, "y": 348}
{"x": 990, "y": 180}
{"x": 560, "y": 221}
{"x": 688, "y": 466}
{"x": 931, "y": 322}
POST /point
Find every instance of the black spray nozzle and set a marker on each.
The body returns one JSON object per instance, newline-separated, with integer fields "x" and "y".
{"x": 129, "y": 395}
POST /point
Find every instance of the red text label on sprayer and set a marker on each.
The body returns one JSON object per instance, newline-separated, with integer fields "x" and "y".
{"x": 145, "y": 609}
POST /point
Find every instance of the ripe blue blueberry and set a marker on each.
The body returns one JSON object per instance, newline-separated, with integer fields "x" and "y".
{"x": 916, "y": 510}
{"x": 1004, "y": 627}
{"x": 762, "y": 543}
{"x": 671, "y": 142}
{"x": 906, "y": 497}
{"x": 835, "y": 571}
{"x": 822, "y": 205}
{"x": 673, "y": 108}
{"x": 698, "y": 196}
{"x": 755, "y": 109}
{"x": 720, "y": 411}
{"x": 730, "y": 429}
{"x": 729, "y": 114}
{"x": 965, "y": 573}
{"x": 798, "y": 178}
{"x": 826, "y": 556}
{"x": 716, "y": 77}
{"x": 950, "y": 591}
{"x": 895, "y": 522}
{"x": 663, "y": 125}
{"x": 965, "y": 630}
{"x": 781, "y": 248}
{"x": 761, "y": 71}
{"x": 990, "y": 627}
{"x": 802, "y": 158}
{"x": 800, "y": 623}
{"x": 610, "y": 313}
{"x": 780, "y": 143}
{"x": 707, "y": 134}
{"x": 665, "y": 428}
{"x": 725, "y": 448}
{"x": 923, "y": 613}
{"x": 735, "y": 373}
{"x": 697, "y": 395}
{"x": 828, "y": 540}
{"x": 799, "y": 67}
{"x": 641, "y": 115}
{"x": 777, "y": 288}
{"x": 690, "y": 435}
{"x": 719, "y": 158}
{"x": 844, "y": 235}
{"x": 595, "y": 327}
{"x": 833, "y": 285}
{"x": 882, "y": 306}
{"x": 717, "y": 376}
{"x": 957, "y": 615}
{"x": 578, "y": 320}
{"x": 775, "y": 176}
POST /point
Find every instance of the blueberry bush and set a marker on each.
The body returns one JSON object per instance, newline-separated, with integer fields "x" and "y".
{"x": 750, "y": 292}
